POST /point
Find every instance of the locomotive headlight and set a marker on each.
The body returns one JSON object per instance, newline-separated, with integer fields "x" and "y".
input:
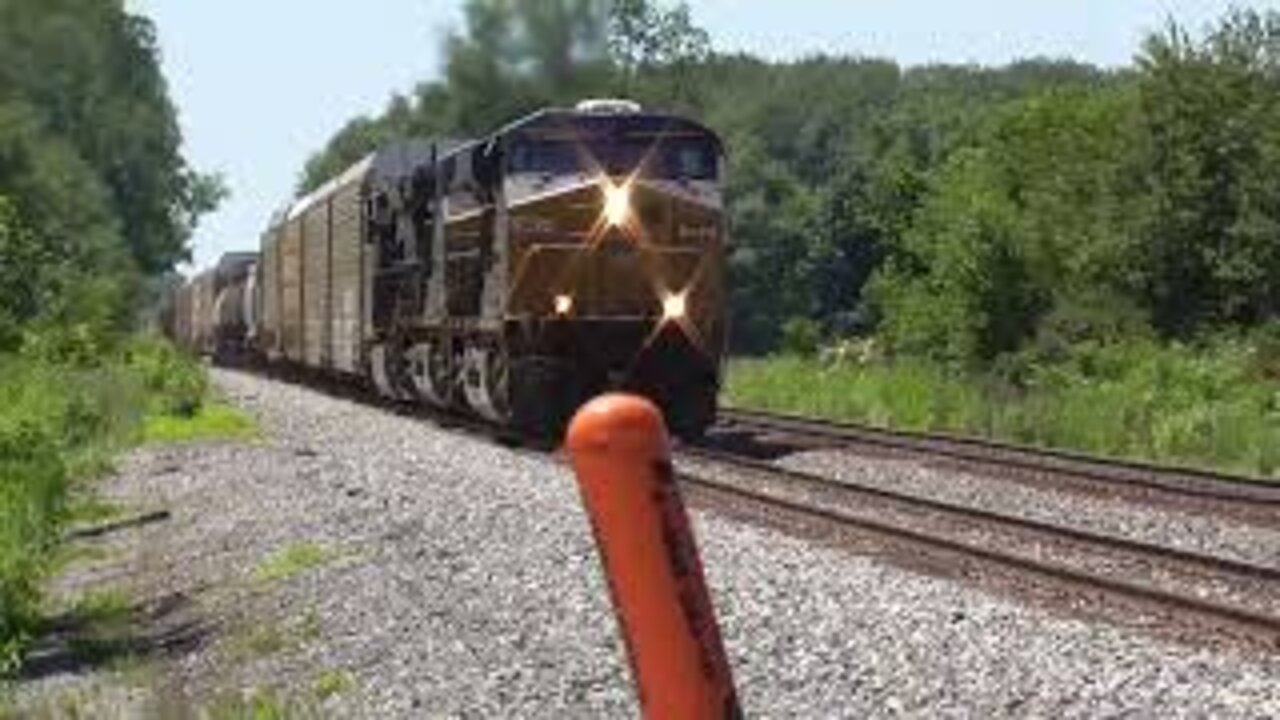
{"x": 563, "y": 304}
{"x": 617, "y": 203}
{"x": 673, "y": 306}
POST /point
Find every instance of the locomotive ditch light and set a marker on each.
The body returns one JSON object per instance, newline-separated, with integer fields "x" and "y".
{"x": 673, "y": 306}
{"x": 563, "y": 304}
{"x": 617, "y": 203}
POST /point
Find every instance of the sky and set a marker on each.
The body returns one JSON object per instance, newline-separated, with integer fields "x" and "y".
{"x": 259, "y": 86}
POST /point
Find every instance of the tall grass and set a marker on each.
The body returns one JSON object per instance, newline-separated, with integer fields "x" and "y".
{"x": 1216, "y": 405}
{"x": 59, "y": 422}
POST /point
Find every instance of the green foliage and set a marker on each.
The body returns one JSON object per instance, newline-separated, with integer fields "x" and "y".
{"x": 89, "y": 72}
{"x": 58, "y": 421}
{"x": 47, "y": 418}
{"x": 103, "y": 625}
{"x": 213, "y": 421}
{"x": 22, "y": 261}
{"x": 1206, "y": 406}
{"x": 801, "y": 336}
{"x": 291, "y": 562}
{"x": 332, "y": 682}
{"x": 256, "y": 704}
{"x": 96, "y": 195}
{"x": 176, "y": 384}
{"x": 1211, "y": 116}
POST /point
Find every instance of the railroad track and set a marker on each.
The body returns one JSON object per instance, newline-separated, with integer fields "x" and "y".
{"x": 1254, "y": 498}
{"x": 1225, "y": 593}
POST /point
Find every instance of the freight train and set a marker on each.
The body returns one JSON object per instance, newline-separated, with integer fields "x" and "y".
{"x": 512, "y": 276}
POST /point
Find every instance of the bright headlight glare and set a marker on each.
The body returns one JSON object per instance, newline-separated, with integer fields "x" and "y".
{"x": 617, "y": 203}
{"x": 563, "y": 304}
{"x": 673, "y": 306}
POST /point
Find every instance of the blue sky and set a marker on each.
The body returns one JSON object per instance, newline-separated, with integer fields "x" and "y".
{"x": 261, "y": 85}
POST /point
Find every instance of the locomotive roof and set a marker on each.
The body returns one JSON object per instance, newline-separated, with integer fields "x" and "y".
{"x": 658, "y": 123}
{"x": 400, "y": 158}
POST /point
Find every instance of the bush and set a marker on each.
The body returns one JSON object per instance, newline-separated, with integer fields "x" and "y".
{"x": 801, "y": 336}
{"x": 34, "y": 428}
{"x": 176, "y": 383}
{"x": 59, "y": 422}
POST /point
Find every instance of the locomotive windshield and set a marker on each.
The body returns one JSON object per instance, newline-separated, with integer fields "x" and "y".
{"x": 615, "y": 148}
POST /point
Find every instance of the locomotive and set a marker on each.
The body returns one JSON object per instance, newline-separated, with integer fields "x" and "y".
{"x": 513, "y": 276}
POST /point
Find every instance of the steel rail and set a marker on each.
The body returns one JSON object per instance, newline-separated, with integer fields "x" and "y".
{"x": 1241, "y": 616}
{"x": 1172, "y": 480}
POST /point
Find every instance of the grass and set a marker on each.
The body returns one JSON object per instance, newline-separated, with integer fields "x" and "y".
{"x": 1214, "y": 406}
{"x": 104, "y": 625}
{"x": 213, "y": 420}
{"x": 268, "y": 639}
{"x": 291, "y": 562}
{"x": 257, "y": 704}
{"x": 332, "y": 682}
{"x": 263, "y": 640}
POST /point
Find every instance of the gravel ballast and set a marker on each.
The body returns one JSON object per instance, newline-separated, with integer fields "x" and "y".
{"x": 1206, "y": 534}
{"x": 452, "y": 576}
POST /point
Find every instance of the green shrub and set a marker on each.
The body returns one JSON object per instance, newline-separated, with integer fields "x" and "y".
{"x": 33, "y": 479}
{"x": 176, "y": 383}
{"x": 801, "y": 336}
{"x": 59, "y": 422}
{"x": 1205, "y": 405}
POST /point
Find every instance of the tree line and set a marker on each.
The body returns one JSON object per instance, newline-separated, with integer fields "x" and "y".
{"x": 955, "y": 212}
{"x": 96, "y": 200}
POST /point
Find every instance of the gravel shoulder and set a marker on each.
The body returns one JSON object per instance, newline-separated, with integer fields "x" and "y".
{"x": 355, "y": 563}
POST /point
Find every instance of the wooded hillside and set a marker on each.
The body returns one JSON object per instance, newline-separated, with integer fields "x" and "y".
{"x": 959, "y": 213}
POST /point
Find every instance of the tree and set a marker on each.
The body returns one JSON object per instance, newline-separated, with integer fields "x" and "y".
{"x": 661, "y": 43}
{"x": 90, "y": 72}
{"x": 89, "y": 163}
{"x": 1211, "y": 111}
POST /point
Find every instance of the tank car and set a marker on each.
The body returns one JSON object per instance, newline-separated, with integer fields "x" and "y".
{"x": 231, "y": 312}
{"x": 514, "y": 276}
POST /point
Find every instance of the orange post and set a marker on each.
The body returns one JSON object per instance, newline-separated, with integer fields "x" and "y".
{"x": 621, "y": 455}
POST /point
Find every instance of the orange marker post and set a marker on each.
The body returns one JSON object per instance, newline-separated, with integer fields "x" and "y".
{"x": 621, "y": 455}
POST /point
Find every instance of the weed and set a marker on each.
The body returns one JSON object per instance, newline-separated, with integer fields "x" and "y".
{"x": 72, "y": 554}
{"x": 90, "y": 510}
{"x": 1206, "y": 406}
{"x": 104, "y": 624}
{"x": 264, "y": 640}
{"x": 291, "y": 562}
{"x": 257, "y": 704}
{"x": 332, "y": 682}
{"x": 310, "y": 627}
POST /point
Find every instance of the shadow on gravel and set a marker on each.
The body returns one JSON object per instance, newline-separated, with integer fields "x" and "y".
{"x": 105, "y": 630}
{"x": 118, "y": 525}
